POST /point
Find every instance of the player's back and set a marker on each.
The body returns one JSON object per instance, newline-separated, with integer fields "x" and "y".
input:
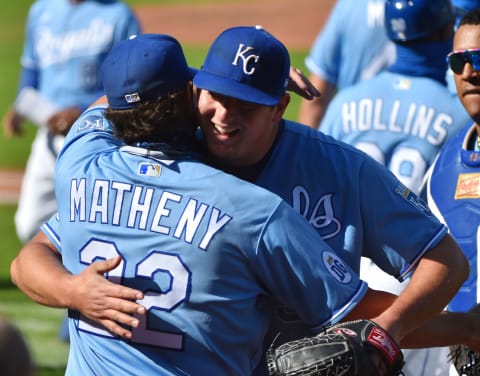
{"x": 401, "y": 121}
{"x": 353, "y": 44}
{"x": 206, "y": 248}
{"x": 454, "y": 197}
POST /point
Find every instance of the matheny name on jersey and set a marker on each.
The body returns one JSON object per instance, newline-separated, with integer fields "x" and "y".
{"x": 145, "y": 208}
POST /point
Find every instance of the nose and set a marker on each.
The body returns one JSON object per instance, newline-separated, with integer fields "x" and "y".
{"x": 469, "y": 71}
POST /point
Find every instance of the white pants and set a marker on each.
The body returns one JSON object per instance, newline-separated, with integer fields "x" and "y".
{"x": 37, "y": 196}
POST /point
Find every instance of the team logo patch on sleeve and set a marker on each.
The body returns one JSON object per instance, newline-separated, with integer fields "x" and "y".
{"x": 149, "y": 169}
{"x": 468, "y": 186}
{"x": 413, "y": 199}
{"x": 90, "y": 122}
{"x": 336, "y": 267}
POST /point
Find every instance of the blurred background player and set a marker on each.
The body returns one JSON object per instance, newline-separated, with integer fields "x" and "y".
{"x": 404, "y": 115}
{"x": 65, "y": 44}
{"x": 352, "y": 46}
{"x": 453, "y": 185}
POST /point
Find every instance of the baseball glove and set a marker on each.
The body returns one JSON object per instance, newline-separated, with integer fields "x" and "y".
{"x": 465, "y": 360}
{"x": 343, "y": 349}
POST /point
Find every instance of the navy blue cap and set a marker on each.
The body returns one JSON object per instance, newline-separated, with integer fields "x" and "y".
{"x": 142, "y": 69}
{"x": 246, "y": 63}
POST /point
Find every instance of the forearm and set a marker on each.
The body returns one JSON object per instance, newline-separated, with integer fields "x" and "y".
{"x": 437, "y": 278}
{"x": 38, "y": 272}
{"x": 312, "y": 111}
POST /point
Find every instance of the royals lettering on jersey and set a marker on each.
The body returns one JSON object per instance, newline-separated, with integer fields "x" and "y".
{"x": 421, "y": 121}
{"x": 144, "y": 208}
{"x": 57, "y": 48}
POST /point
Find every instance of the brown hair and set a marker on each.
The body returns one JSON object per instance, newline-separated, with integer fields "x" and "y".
{"x": 169, "y": 119}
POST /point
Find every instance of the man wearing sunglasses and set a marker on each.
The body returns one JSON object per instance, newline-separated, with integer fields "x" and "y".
{"x": 453, "y": 186}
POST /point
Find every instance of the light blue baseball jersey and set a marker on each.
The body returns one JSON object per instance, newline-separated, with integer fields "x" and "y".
{"x": 393, "y": 119}
{"x": 66, "y": 44}
{"x": 454, "y": 196}
{"x": 353, "y": 44}
{"x": 211, "y": 252}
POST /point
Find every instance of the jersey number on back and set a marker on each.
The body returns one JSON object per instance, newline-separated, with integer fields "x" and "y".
{"x": 154, "y": 262}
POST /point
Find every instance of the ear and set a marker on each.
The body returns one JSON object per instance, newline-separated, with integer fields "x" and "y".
{"x": 281, "y": 107}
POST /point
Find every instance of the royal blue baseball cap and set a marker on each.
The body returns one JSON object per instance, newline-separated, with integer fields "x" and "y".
{"x": 144, "y": 68}
{"x": 246, "y": 63}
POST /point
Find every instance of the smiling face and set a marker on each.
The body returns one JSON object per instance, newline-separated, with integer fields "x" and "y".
{"x": 238, "y": 133}
{"x": 468, "y": 81}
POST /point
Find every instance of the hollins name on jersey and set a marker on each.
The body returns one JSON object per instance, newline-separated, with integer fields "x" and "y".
{"x": 420, "y": 121}
{"x": 145, "y": 208}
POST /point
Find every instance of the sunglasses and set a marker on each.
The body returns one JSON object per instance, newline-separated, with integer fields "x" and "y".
{"x": 457, "y": 59}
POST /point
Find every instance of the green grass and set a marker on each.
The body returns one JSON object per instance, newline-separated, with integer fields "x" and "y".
{"x": 40, "y": 324}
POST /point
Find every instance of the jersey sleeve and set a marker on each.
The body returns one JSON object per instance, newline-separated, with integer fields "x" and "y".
{"x": 51, "y": 230}
{"x": 303, "y": 272}
{"x": 400, "y": 228}
{"x": 325, "y": 54}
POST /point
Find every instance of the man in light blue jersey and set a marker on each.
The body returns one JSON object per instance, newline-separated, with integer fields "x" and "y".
{"x": 352, "y": 46}
{"x": 452, "y": 188}
{"x": 210, "y": 253}
{"x": 65, "y": 43}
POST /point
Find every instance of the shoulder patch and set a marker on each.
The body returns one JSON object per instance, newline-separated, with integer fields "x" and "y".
{"x": 413, "y": 199}
{"x": 89, "y": 122}
{"x": 336, "y": 267}
{"x": 149, "y": 169}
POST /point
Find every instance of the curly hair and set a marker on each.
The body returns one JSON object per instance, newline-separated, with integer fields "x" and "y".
{"x": 169, "y": 119}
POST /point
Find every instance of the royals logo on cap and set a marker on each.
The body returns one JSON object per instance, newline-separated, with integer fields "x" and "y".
{"x": 246, "y": 63}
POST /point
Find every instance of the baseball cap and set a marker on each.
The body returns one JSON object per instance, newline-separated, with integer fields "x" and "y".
{"x": 142, "y": 69}
{"x": 246, "y": 63}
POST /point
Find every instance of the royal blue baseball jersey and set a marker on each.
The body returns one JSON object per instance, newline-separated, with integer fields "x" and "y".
{"x": 393, "y": 119}
{"x": 353, "y": 44}
{"x": 211, "y": 252}
{"x": 357, "y": 205}
{"x": 454, "y": 196}
{"x": 67, "y": 43}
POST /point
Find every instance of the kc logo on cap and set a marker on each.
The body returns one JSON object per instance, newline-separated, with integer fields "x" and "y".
{"x": 248, "y": 64}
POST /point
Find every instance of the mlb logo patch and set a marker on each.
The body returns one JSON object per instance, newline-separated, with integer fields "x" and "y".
{"x": 149, "y": 169}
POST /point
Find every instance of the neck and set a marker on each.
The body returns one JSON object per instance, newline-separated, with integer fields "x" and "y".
{"x": 422, "y": 59}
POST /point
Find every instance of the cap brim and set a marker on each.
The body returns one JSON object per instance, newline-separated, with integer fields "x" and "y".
{"x": 231, "y": 88}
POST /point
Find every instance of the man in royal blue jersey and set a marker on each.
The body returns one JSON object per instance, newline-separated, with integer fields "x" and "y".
{"x": 453, "y": 185}
{"x": 211, "y": 253}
